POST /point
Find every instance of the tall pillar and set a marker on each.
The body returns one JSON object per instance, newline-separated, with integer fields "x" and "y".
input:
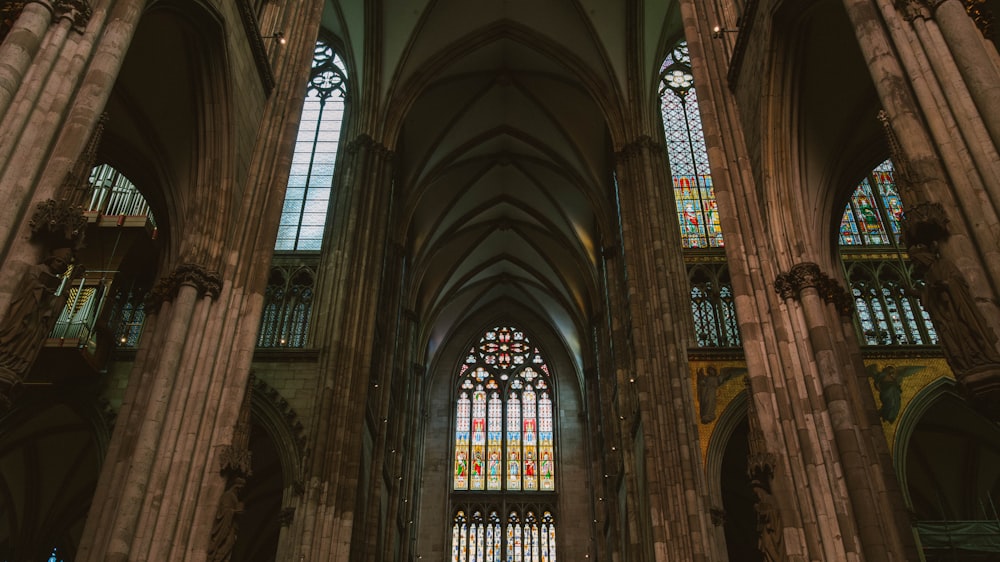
{"x": 329, "y": 521}
{"x": 20, "y": 46}
{"x": 663, "y": 459}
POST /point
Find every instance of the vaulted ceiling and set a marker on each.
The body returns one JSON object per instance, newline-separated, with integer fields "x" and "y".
{"x": 504, "y": 116}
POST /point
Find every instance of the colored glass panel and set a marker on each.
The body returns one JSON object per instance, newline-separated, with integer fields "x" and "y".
{"x": 494, "y": 462}
{"x": 697, "y": 210}
{"x": 513, "y": 443}
{"x": 545, "y": 444}
{"x": 530, "y": 436}
{"x": 874, "y": 203}
{"x": 462, "y": 424}
{"x": 478, "y": 452}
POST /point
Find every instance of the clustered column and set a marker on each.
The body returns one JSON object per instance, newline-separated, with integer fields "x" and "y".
{"x": 656, "y": 370}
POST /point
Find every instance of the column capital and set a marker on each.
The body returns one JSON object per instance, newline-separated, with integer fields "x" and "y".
{"x": 642, "y": 143}
{"x": 206, "y": 282}
{"x": 78, "y": 13}
{"x": 808, "y": 275}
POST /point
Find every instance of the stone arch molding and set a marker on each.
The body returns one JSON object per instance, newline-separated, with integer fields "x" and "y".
{"x": 269, "y": 408}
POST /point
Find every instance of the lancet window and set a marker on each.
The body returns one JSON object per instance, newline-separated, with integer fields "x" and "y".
{"x": 692, "y": 180}
{"x": 888, "y": 311}
{"x": 504, "y": 457}
{"x": 713, "y": 306}
{"x": 287, "y": 307}
{"x": 310, "y": 182}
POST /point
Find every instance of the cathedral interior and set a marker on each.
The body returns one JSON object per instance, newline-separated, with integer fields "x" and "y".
{"x": 472, "y": 281}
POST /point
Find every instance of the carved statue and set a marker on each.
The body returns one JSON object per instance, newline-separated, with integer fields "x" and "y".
{"x": 33, "y": 310}
{"x": 709, "y": 381}
{"x": 224, "y": 528}
{"x": 768, "y": 524}
{"x": 889, "y": 382}
{"x": 966, "y": 338}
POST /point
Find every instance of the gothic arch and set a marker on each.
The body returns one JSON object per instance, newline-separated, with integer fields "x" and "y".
{"x": 573, "y": 503}
{"x": 169, "y": 125}
{"x": 824, "y": 105}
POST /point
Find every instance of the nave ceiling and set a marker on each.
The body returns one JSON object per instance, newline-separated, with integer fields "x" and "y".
{"x": 504, "y": 117}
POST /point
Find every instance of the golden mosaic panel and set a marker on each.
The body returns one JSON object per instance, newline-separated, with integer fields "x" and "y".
{"x": 917, "y": 374}
{"x": 731, "y": 377}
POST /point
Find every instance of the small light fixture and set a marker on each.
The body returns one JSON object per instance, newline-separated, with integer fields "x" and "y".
{"x": 718, "y": 30}
{"x": 277, "y": 35}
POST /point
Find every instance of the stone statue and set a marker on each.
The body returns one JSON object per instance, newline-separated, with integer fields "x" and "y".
{"x": 967, "y": 339}
{"x": 224, "y": 528}
{"x": 889, "y": 382}
{"x": 32, "y": 313}
{"x": 768, "y": 524}
{"x": 709, "y": 381}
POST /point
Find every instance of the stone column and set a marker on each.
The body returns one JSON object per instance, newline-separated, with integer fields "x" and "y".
{"x": 131, "y": 487}
{"x": 662, "y": 461}
{"x": 973, "y": 59}
{"x": 20, "y": 46}
{"x": 870, "y": 515}
{"x": 327, "y": 525}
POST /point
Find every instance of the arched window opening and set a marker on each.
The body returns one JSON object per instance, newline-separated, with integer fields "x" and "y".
{"x": 307, "y": 196}
{"x": 697, "y": 210}
{"x": 128, "y": 314}
{"x": 888, "y": 311}
{"x": 287, "y": 307}
{"x": 524, "y": 534}
{"x": 713, "y": 306}
{"x": 504, "y": 450}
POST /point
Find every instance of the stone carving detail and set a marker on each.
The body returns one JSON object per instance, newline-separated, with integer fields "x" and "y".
{"x": 968, "y": 341}
{"x": 925, "y": 224}
{"x": 58, "y": 224}
{"x": 78, "y": 12}
{"x": 33, "y": 311}
{"x": 709, "y": 381}
{"x": 981, "y": 14}
{"x": 783, "y": 286}
{"x": 769, "y": 526}
{"x": 206, "y": 282}
{"x": 638, "y": 146}
{"x": 912, "y": 9}
{"x": 286, "y": 516}
{"x": 225, "y": 524}
{"x": 234, "y": 460}
{"x": 366, "y": 142}
{"x": 808, "y": 275}
{"x": 761, "y": 465}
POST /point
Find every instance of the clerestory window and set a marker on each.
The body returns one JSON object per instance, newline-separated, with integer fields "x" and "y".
{"x": 888, "y": 311}
{"x": 505, "y": 454}
{"x": 310, "y": 182}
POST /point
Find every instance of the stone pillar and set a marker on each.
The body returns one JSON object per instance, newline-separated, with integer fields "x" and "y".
{"x": 20, "y": 46}
{"x": 329, "y": 522}
{"x": 662, "y": 459}
{"x": 820, "y": 300}
{"x": 973, "y": 60}
{"x": 142, "y": 452}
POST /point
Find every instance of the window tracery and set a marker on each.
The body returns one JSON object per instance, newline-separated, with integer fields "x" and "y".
{"x": 310, "y": 181}
{"x": 504, "y": 451}
{"x": 888, "y": 310}
{"x": 287, "y": 307}
{"x": 697, "y": 210}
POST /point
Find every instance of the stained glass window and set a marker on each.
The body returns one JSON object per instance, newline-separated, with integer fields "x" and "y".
{"x": 287, "y": 307}
{"x": 874, "y": 204}
{"x": 888, "y": 311}
{"x": 311, "y": 179}
{"x": 505, "y": 444}
{"x": 504, "y": 412}
{"x": 525, "y": 535}
{"x": 697, "y": 210}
